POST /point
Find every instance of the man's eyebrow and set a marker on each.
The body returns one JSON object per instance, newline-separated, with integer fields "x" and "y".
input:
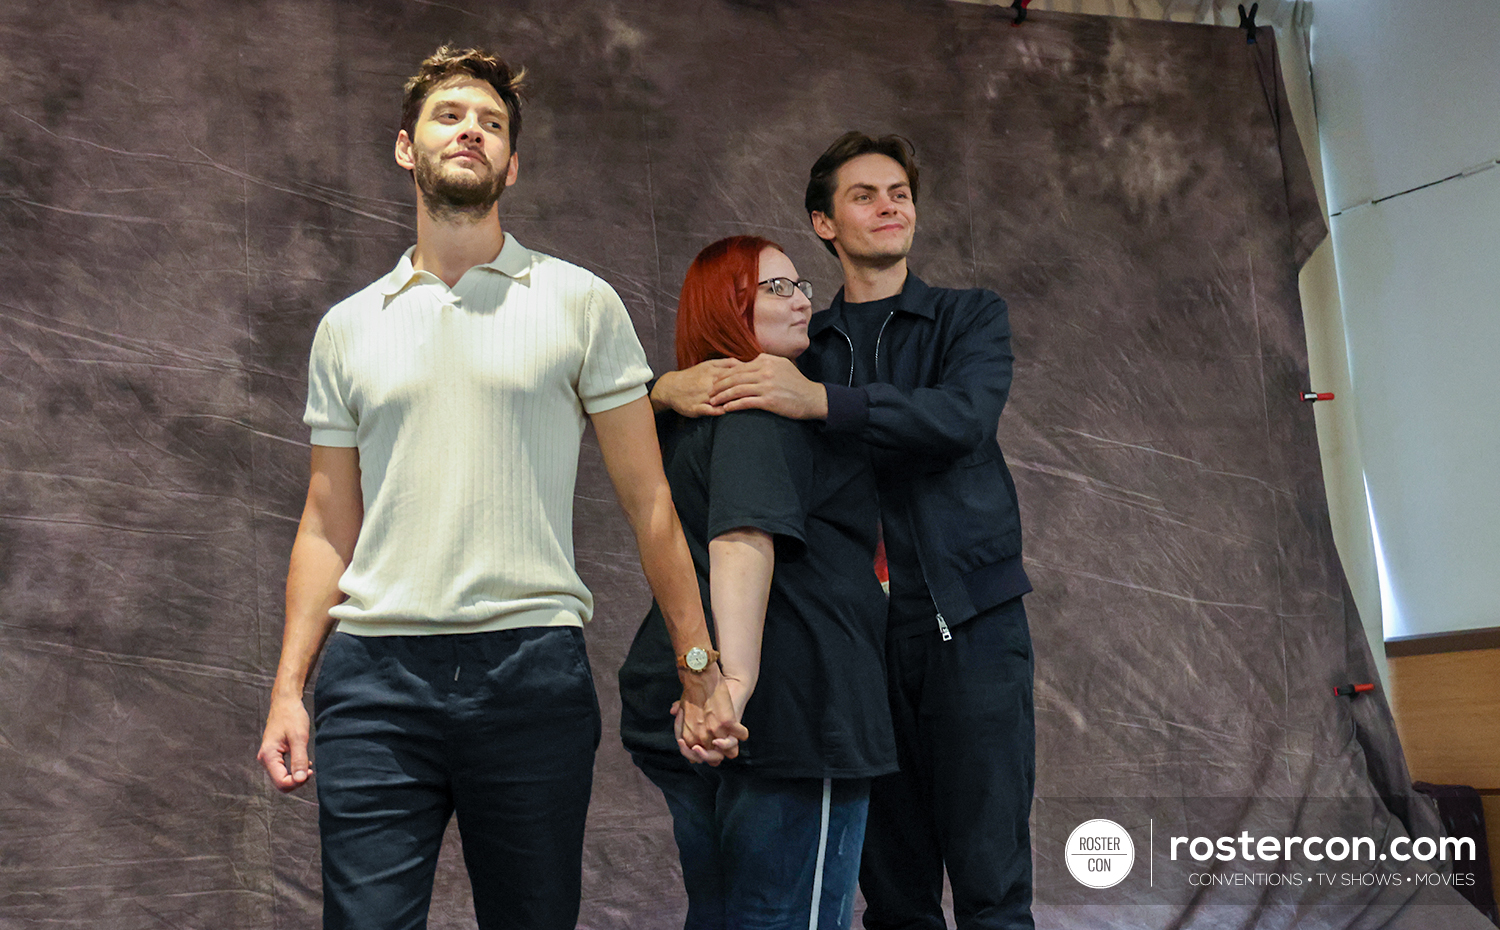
{"x": 439, "y": 101}
{"x": 875, "y": 187}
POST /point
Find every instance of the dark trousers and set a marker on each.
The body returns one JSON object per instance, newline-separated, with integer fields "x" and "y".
{"x": 498, "y": 727}
{"x": 763, "y": 853}
{"x": 966, "y": 742}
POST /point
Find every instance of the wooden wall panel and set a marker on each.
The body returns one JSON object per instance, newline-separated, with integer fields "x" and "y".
{"x": 1447, "y": 709}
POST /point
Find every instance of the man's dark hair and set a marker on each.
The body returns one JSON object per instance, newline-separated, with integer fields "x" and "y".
{"x": 448, "y": 62}
{"x": 823, "y": 179}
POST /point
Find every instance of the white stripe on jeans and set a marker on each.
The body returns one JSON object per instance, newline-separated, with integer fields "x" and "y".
{"x": 817, "y": 895}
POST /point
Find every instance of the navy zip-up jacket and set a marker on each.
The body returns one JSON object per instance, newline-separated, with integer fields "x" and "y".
{"x": 943, "y": 369}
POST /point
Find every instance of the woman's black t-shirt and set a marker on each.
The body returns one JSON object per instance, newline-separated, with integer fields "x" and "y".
{"x": 820, "y": 708}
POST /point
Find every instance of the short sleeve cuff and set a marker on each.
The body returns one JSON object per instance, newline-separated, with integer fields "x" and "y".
{"x": 618, "y": 398}
{"x": 848, "y": 408}
{"x": 788, "y": 538}
{"x": 337, "y": 438}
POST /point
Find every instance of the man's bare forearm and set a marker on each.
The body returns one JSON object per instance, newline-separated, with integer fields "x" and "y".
{"x": 324, "y": 546}
{"x": 668, "y": 567}
{"x": 322, "y": 550}
{"x": 710, "y": 728}
{"x": 627, "y": 440}
{"x": 312, "y": 589}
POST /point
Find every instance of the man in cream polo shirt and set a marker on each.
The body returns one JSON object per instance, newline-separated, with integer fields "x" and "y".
{"x": 447, "y": 402}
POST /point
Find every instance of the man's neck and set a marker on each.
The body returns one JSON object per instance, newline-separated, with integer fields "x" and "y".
{"x": 864, "y": 283}
{"x": 449, "y": 246}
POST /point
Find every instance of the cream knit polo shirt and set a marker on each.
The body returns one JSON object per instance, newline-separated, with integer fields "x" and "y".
{"x": 467, "y": 407}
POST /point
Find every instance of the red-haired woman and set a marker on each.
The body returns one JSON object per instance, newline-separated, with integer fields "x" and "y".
{"x": 781, "y": 521}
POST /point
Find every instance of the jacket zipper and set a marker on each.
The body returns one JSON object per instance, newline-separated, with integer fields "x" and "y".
{"x": 878, "y": 336}
{"x": 850, "y": 382}
{"x": 942, "y": 624}
{"x": 877, "y": 348}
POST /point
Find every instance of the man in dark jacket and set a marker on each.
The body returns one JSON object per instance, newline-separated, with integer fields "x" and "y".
{"x": 920, "y": 375}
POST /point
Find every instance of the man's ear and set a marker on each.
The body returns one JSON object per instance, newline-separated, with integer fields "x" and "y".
{"x": 823, "y": 226}
{"x": 510, "y": 171}
{"x": 403, "y": 151}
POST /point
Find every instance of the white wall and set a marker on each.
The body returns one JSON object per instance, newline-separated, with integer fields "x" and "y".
{"x": 1408, "y": 94}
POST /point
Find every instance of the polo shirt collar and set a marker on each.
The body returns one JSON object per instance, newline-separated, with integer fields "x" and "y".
{"x": 514, "y": 261}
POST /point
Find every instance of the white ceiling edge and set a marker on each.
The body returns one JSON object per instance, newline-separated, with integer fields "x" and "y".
{"x": 1279, "y": 13}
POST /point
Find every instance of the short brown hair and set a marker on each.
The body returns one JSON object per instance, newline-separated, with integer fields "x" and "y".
{"x": 823, "y": 179}
{"x": 448, "y": 62}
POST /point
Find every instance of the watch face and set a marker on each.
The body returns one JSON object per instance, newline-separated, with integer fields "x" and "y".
{"x": 697, "y": 659}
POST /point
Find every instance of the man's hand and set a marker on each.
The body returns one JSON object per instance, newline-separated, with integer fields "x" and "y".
{"x": 686, "y": 392}
{"x": 283, "y": 748}
{"x": 772, "y": 383}
{"x": 322, "y": 550}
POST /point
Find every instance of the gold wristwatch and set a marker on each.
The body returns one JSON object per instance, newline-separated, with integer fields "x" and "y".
{"x": 697, "y": 659}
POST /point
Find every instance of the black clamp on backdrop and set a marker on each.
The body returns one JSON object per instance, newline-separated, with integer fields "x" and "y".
{"x": 1311, "y": 397}
{"x": 1020, "y": 7}
{"x": 1351, "y": 691}
{"x": 1247, "y": 22}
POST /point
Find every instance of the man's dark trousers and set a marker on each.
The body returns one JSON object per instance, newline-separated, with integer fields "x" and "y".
{"x": 499, "y": 727}
{"x": 966, "y": 742}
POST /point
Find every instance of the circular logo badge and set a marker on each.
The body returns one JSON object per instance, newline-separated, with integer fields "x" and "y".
{"x": 1100, "y": 853}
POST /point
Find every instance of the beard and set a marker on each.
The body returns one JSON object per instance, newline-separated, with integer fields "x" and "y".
{"x": 452, "y": 195}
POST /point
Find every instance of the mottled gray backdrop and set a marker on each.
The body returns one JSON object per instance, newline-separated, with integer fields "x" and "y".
{"x": 185, "y": 187}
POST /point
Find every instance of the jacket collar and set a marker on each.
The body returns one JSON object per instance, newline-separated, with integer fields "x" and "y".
{"x": 514, "y": 261}
{"x": 913, "y": 299}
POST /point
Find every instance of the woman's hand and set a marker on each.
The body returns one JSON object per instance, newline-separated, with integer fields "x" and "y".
{"x": 737, "y": 693}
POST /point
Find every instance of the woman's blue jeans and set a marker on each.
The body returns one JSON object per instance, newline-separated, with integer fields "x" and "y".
{"x": 763, "y": 853}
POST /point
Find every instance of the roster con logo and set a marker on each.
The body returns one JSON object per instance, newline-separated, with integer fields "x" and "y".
{"x": 1100, "y": 853}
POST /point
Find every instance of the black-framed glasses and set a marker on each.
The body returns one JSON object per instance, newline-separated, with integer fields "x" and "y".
{"x": 785, "y": 287}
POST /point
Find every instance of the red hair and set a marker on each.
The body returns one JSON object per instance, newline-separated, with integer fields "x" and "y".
{"x": 716, "y": 313}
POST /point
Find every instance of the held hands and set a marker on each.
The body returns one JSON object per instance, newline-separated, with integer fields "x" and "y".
{"x": 283, "y": 748}
{"x": 772, "y": 383}
{"x": 707, "y": 718}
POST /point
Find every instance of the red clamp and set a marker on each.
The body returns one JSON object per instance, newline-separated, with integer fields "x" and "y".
{"x": 1313, "y": 396}
{"x": 1350, "y": 691}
